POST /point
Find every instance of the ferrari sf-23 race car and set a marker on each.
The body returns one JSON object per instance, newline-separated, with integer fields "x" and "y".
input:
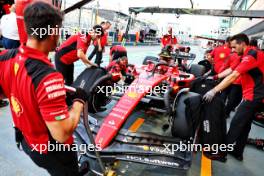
{"x": 153, "y": 87}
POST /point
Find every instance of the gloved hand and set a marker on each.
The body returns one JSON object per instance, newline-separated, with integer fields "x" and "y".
{"x": 80, "y": 95}
{"x": 208, "y": 97}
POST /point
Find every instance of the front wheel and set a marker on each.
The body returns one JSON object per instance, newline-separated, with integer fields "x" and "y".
{"x": 186, "y": 114}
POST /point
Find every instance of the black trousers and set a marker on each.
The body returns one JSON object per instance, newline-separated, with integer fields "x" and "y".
{"x": 57, "y": 163}
{"x": 99, "y": 55}
{"x": 66, "y": 70}
{"x": 234, "y": 97}
{"x": 241, "y": 124}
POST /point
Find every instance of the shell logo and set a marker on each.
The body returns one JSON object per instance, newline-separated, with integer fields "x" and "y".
{"x": 132, "y": 94}
{"x": 222, "y": 55}
{"x": 16, "y": 67}
{"x": 146, "y": 148}
{"x": 16, "y": 106}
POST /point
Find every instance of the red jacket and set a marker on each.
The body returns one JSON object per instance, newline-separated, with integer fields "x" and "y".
{"x": 168, "y": 40}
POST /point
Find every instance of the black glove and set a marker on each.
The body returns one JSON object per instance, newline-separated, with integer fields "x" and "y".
{"x": 80, "y": 95}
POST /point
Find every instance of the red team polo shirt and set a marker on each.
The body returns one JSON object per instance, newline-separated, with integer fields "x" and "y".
{"x": 251, "y": 69}
{"x": 220, "y": 54}
{"x": 36, "y": 93}
{"x": 67, "y": 52}
{"x": 169, "y": 40}
{"x": 232, "y": 62}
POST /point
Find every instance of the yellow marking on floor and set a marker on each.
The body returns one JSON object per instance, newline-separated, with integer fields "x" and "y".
{"x": 136, "y": 125}
{"x": 206, "y": 166}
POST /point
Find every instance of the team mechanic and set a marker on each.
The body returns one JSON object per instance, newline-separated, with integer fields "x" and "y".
{"x": 220, "y": 55}
{"x": 73, "y": 49}
{"x": 234, "y": 96}
{"x": 117, "y": 51}
{"x": 251, "y": 70}
{"x": 37, "y": 95}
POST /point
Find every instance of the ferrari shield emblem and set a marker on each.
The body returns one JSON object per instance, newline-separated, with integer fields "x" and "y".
{"x": 16, "y": 67}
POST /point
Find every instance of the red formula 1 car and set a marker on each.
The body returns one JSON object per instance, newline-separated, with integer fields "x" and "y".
{"x": 156, "y": 86}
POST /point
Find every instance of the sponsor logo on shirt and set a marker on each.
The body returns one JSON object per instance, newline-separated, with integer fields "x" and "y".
{"x": 53, "y": 81}
{"x": 54, "y": 87}
{"x": 56, "y": 94}
{"x": 16, "y": 106}
{"x": 222, "y": 55}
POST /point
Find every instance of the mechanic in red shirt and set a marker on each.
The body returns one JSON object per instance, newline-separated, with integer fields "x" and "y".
{"x": 234, "y": 95}
{"x": 73, "y": 49}
{"x": 99, "y": 46}
{"x": 116, "y": 52}
{"x": 251, "y": 71}
{"x": 37, "y": 95}
{"x": 169, "y": 39}
{"x": 220, "y": 54}
{"x": 118, "y": 65}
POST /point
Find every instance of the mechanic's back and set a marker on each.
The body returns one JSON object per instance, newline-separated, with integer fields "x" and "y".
{"x": 37, "y": 94}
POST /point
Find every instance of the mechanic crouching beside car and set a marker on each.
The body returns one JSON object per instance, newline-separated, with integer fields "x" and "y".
{"x": 251, "y": 71}
{"x": 37, "y": 95}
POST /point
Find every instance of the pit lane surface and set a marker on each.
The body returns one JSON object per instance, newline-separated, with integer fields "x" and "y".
{"x": 16, "y": 163}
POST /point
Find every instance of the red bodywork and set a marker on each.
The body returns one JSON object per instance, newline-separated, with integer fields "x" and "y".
{"x": 143, "y": 83}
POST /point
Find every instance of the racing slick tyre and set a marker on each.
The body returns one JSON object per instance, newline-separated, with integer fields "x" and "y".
{"x": 149, "y": 58}
{"x": 186, "y": 114}
{"x": 197, "y": 70}
{"x": 95, "y": 82}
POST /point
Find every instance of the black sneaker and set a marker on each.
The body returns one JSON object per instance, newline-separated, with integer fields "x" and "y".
{"x": 238, "y": 157}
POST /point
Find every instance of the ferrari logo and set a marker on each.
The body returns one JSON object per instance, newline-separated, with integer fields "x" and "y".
{"x": 16, "y": 67}
{"x": 132, "y": 94}
{"x": 222, "y": 55}
{"x": 16, "y": 106}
